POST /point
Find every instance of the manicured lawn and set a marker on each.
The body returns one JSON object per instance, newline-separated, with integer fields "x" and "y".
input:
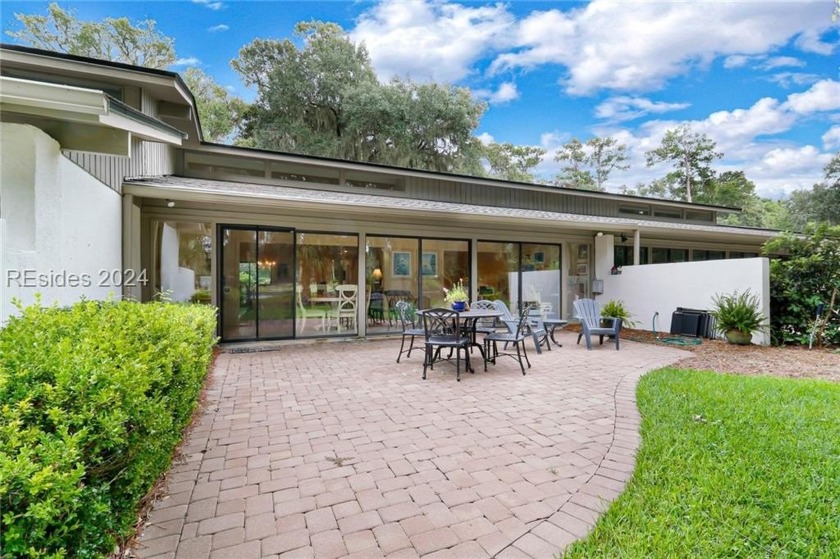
{"x": 729, "y": 466}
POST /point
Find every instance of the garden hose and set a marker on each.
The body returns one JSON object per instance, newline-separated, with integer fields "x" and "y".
{"x": 673, "y": 340}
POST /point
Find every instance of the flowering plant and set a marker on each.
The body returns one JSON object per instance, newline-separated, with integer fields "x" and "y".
{"x": 457, "y": 293}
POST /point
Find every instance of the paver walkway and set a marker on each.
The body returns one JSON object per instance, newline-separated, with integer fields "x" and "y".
{"x": 332, "y": 449}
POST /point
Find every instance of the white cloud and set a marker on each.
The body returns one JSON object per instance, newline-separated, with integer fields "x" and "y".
{"x": 791, "y": 79}
{"x": 210, "y": 4}
{"x": 430, "y": 39}
{"x": 624, "y": 108}
{"x": 810, "y": 41}
{"x": 486, "y": 138}
{"x": 737, "y": 61}
{"x": 610, "y": 45}
{"x": 505, "y": 93}
{"x": 217, "y": 28}
{"x": 823, "y": 96}
{"x": 191, "y": 61}
{"x": 781, "y": 62}
{"x": 831, "y": 139}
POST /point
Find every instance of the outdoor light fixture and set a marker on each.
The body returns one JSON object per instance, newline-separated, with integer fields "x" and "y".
{"x": 600, "y": 234}
{"x": 170, "y": 203}
{"x": 623, "y": 238}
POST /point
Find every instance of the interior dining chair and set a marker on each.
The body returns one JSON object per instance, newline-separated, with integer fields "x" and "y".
{"x": 346, "y": 311}
{"x": 304, "y": 312}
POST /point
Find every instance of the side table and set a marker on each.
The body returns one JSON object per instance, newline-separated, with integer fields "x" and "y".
{"x": 551, "y": 324}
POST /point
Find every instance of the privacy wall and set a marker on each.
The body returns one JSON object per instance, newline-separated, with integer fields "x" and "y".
{"x": 664, "y": 287}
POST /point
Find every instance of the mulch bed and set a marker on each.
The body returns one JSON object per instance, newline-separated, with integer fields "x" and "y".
{"x": 787, "y": 361}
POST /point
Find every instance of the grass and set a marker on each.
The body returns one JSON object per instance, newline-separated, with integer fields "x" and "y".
{"x": 729, "y": 466}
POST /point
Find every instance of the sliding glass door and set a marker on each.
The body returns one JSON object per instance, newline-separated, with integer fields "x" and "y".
{"x": 257, "y": 283}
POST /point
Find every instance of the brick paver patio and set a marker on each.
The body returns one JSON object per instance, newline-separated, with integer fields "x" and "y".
{"x": 334, "y": 450}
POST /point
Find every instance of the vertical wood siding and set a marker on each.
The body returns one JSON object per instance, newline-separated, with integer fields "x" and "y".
{"x": 448, "y": 191}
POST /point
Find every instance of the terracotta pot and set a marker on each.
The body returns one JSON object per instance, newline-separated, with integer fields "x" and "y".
{"x": 738, "y": 337}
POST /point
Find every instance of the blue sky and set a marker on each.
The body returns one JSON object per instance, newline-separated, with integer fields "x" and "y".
{"x": 761, "y": 78}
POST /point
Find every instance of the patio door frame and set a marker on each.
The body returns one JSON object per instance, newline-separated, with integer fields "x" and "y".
{"x": 221, "y": 227}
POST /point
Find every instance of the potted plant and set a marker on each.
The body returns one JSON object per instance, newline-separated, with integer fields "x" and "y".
{"x": 616, "y": 309}
{"x": 457, "y": 296}
{"x": 737, "y": 316}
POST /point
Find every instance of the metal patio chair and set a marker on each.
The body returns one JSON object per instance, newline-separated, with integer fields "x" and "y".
{"x": 516, "y": 337}
{"x": 441, "y": 329}
{"x": 535, "y": 327}
{"x": 407, "y": 316}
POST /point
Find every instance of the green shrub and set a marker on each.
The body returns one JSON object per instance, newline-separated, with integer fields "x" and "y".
{"x": 740, "y": 312}
{"x": 615, "y": 308}
{"x": 804, "y": 272}
{"x": 93, "y": 400}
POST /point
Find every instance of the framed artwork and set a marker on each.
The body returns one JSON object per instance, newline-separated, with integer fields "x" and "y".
{"x": 401, "y": 264}
{"x": 583, "y": 252}
{"x": 582, "y": 269}
{"x": 539, "y": 257}
{"x": 428, "y": 264}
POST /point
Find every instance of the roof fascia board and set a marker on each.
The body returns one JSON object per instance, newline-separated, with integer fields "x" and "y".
{"x": 50, "y": 62}
{"x": 251, "y": 153}
{"x": 63, "y": 98}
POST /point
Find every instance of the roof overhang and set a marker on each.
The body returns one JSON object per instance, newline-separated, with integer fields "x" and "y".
{"x": 326, "y": 202}
{"x": 79, "y": 118}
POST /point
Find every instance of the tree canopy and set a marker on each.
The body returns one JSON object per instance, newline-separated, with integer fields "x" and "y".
{"x": 589, "y": 164}
{"x": 218, "y": 111}
{"x": 324, "y": 99}
{"x": 821, "y": 204}
{"x": 511, "y": 162}
{"x": 115, "y": 39}
{"x": 691, "y": 154}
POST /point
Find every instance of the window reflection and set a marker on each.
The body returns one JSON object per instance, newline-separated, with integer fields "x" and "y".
{"x": 326, "y": 296}
{"x": 182, "y": 260}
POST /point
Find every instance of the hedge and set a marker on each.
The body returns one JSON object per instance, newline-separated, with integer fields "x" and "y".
{"x": 93, "y": 401}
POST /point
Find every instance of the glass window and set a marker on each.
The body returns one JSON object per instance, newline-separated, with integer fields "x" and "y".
{"x": 392, "y": 266}
{"x": 623, "y": 255}
{"x": 737, "y": 254}
{"x": 700, "y": 255}
{"x": 666, "y": 255}
{"x": 326, "y": 291}
{"x": 498, "y": 264}
{"x": 697, "y": 215}
{"x": 578, "y": 284}
{"x": 541, "y": 278}
{"x": 443, "y": 263}
{"x": 182, "y": 260}
{"x": 633, "y": 210}
{"x": 670, "y": 214}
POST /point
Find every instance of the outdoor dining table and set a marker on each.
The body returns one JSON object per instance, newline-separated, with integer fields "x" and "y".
{"x": 469, "y": 319}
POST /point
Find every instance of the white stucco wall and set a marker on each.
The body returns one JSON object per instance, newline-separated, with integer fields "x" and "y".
{"x": 664, "y": 287}
{"x": 60, "y": 234}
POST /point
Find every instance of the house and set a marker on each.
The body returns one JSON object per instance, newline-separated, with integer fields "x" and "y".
{"x": 108, "y": 189}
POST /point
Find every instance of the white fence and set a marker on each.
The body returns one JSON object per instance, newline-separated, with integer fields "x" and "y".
{"x": 662, "y": 288}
